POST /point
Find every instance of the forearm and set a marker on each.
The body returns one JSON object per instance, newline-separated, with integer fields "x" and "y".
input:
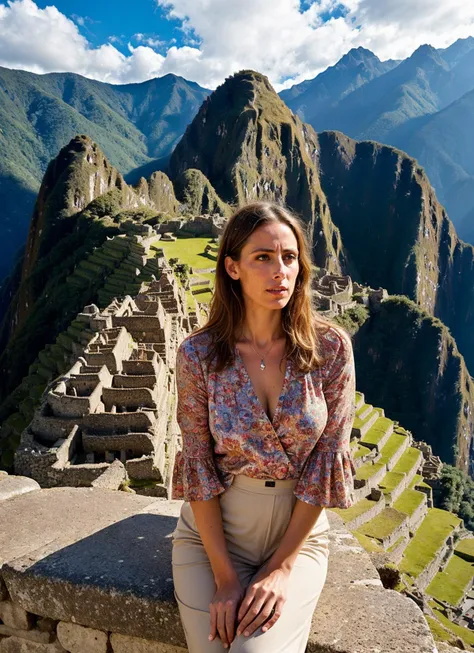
{"x": 302, "y": 520}
{"x": 208, "y": 517}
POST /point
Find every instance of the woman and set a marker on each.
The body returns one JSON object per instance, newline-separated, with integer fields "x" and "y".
{"x": 266, "y": 401}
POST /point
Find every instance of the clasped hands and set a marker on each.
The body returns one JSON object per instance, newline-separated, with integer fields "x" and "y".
{"x": 261, "y": 602}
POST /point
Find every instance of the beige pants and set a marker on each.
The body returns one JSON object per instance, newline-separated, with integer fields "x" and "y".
{"x": 255, "y": 518}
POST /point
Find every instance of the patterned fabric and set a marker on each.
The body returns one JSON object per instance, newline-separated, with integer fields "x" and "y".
{"x": 226, "y": 431}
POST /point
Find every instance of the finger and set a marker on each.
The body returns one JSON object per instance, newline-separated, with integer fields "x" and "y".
{"x": 250, "y": 615}
{"x": 213, "y": 628}
{"x": 260, "y": 618}
{"x": 273, "y": 617}
{"x": 244, "y": 606}
{"x": 221, "y": 623}
{"x": 230, "y": 620}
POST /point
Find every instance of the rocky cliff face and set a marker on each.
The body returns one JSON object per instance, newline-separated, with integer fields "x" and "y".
{"x": 198, "y": 195}
{"x": 80, "y": 202}
{"x": 408, "y": 362}
{"x": 79, "y": 175}
{"x": 250, "y": 146}
{"x": 396, "y": 233}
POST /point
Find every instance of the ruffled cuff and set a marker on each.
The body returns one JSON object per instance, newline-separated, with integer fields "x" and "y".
{"x": 195, "y": 479}
{"x": 327, "y": 479}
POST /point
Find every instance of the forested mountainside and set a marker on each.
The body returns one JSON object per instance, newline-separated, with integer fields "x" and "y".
{"x": 250, "y": 146}
{"x": 134, "y": 124}
{"x": 422, "y": 105}
{"x": 370, "y": 212}
{"x": 138, "y": 125}
{"x": 396, "y": 233}
{"x": 409, "y": 362}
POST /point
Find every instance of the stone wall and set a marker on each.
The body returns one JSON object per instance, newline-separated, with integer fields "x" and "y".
{"x": 113, "y": 407}
{"x": 378, "y": 507}
{"x": 101, "y": 582}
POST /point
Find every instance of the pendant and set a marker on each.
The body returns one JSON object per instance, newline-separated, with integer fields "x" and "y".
{"x": 262, "y": 365}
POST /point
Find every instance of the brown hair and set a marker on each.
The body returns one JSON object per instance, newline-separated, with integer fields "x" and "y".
{"x": 300, "y": 321}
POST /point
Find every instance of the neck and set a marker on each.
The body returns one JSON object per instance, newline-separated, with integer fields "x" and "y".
{"x": 261, "y": 327}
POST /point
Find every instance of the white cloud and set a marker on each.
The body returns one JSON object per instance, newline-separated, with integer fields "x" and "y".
{"x": 284, "y": 39}
{"x": 152, "y": 41}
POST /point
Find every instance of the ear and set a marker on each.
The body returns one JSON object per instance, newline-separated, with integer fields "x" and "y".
{"x": 232, "y": 268}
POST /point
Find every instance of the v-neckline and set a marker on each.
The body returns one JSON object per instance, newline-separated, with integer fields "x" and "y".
{"x": 254, "y": 394}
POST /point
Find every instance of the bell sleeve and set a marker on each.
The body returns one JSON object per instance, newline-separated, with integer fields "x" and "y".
{"x": 195, "y": 476}
{"x": 327, "y": 477}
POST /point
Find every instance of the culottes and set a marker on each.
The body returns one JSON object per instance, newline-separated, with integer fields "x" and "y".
{"x": 255, "y": 517}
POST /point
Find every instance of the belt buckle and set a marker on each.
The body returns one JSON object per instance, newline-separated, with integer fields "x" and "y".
{"x": 269, "y": 483}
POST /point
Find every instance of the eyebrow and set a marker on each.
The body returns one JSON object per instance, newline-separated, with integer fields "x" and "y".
{"x": 267, "y": 249}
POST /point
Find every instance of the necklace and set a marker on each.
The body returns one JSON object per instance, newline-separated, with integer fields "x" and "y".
{"x": 262, "y": 361}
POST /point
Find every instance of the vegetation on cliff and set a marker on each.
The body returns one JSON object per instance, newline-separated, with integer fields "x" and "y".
{"x": 395, "y": 232}
{"x": 134, "y": 124}
{"x": 250, "y": 146}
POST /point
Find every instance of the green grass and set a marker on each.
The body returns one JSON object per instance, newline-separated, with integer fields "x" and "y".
{"x": 360, "y": 450}
{"x": 429, "y": 537}
{"x": 189, "y": 250}
{"x": 391, "y": 447}
{"x": 367, "y": 470}
{"x": 409, "y": 501}
{"x": 407, "y": 460}
{"x": 377, "y": 431}
{"x": 390, "y": 481}
{"x": 383, "y": 524}
{"x": 367, "y": 543}
{"x": 449, "y": 585}
{"x": 466, "y": 548}
{"x": 466, "y": 635}
{"x": 348, "y": 514}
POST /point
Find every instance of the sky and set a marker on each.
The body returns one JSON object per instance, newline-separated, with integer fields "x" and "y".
{"x": 207, "y": 40}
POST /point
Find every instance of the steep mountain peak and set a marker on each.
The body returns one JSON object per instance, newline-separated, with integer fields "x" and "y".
{"x": 457, "y": 50}
{"x": 78, "y": 175}
{"x": 426, "y": 54}
{"x": 250, "y": 146}
{"x": 356, "y": 56}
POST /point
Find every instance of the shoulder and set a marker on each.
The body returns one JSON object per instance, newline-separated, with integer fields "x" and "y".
{"x": 336, "y": 348}
{"x": 194, "y": 346}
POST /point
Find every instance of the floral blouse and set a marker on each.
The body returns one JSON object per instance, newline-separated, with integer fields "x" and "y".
{"x": 225, "y": 430}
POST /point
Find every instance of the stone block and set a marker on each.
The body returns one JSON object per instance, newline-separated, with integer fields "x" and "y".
{"x": 33, "y": 635}
{"x": 126, "y": 644}
{"x": 79, "y": 639}
{"x": 112, "y": 478}
{"x": 18, "y": 645}
{"x": 12, "y": 486}
{"x": 14, "y": 616}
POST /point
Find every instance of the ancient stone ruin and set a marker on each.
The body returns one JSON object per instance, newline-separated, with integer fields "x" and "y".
{"x": 110, "y": 416}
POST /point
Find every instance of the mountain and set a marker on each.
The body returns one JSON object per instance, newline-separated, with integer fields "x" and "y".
{"x": 444, "y": 142}
{"x": 250, "y": 146}
{"x": 396, "y": 233}
{"x": 82, "y": 200}
{"x": 134, "y": 124}
{"x": 369, "y": 212}
{"x": 457, "y": 51}
{"x": 422, "y": 106}
{"x": 411, "y": 365}
{"x": 315, "y": 97}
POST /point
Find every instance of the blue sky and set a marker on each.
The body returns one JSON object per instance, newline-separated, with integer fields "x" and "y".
{"x": 207, "y": 40}
{"x": 99, "y": 24}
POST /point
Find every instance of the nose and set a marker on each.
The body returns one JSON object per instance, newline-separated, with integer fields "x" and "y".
{"x": 280, "y": 268}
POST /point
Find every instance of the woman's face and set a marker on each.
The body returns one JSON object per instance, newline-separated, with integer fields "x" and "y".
{"x": 268, "y": 259}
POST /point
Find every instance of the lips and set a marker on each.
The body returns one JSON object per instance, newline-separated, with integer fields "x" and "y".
{"x": 280, "y": 289}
